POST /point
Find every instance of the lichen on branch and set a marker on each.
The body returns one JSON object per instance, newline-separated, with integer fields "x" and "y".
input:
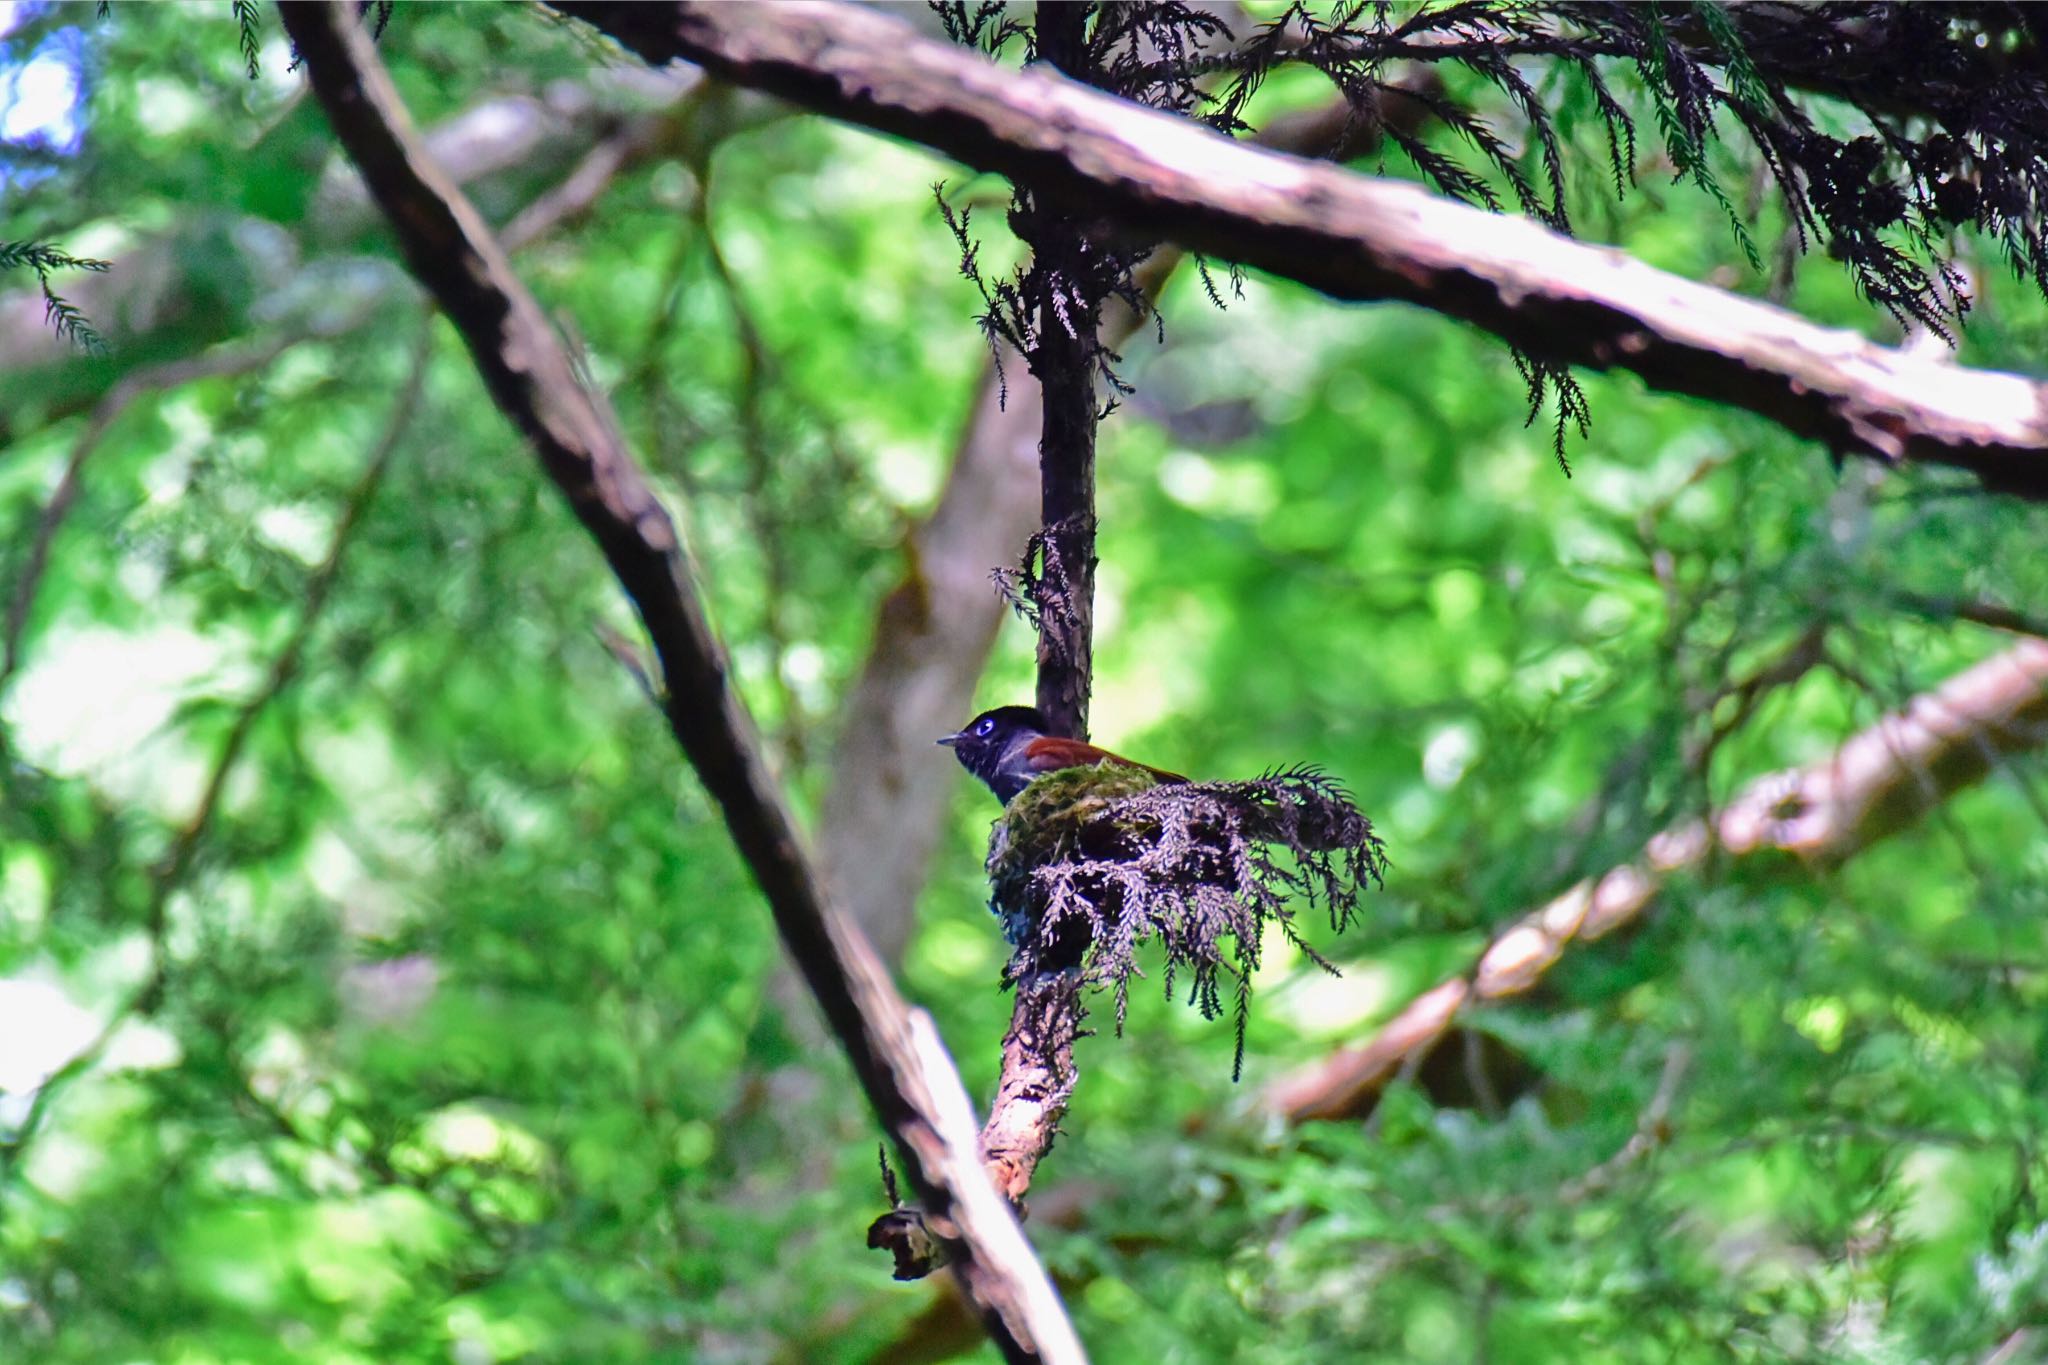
{"x": 1088, "y": 865}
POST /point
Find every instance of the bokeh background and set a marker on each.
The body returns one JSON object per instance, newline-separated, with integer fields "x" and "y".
{"x": 376, "y": 984}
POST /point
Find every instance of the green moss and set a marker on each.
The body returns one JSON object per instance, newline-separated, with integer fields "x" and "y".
{"x": 1044, "y": 821}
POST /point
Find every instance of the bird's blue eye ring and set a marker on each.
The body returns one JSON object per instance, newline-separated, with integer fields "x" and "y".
{"x": 985, "y": 726}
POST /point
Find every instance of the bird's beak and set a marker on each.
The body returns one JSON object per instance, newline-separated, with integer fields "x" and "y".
{"x": 950, "y": 740}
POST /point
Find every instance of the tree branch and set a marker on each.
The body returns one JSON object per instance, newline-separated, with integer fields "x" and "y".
{"x": 1878, "y": 782}
{"x": 1063, "y": 358}
{"x": 894, "y": 1051}
{"x": 1991, "y": 614}
{"x": 1353, "y": 237}
{"x": 1036, "y": 1081}
{"x": 641, "y": 139}
{"x": 146, "y": 299}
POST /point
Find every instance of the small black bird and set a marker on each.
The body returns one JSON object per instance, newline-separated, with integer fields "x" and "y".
{"x": 1009, "y": 746}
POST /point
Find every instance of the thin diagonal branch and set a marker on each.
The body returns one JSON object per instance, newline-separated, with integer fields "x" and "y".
{"x": 894, "y": 1052}
{"x": 1878, "y": 782}
{"x": 1992, "y": 614}
{"x": 570, "y": 124}
{"x": 285, "y": 666}
{"x": 1354, "y": 237}
{"x": 642, "y": 138}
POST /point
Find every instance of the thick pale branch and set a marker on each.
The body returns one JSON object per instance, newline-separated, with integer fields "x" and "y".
{"x": 1354, "y": 237}
{"x": 1878, "y": 782}
{"x": 933, "y": 632}
{"x": 1036, "y": 1082}
{"x": 901, "y": 1068}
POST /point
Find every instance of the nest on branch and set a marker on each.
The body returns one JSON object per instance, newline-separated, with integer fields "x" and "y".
{"x": 1087, "y": 865}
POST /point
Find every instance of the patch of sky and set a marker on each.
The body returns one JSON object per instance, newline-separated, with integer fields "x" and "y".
{"x": 42, "y": 97}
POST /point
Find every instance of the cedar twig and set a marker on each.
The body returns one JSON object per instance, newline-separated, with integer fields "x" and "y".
{"x": 1653, "y": 1130}
{"x": 170, "y": 374}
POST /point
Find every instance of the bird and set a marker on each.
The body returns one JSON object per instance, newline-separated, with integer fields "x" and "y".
{"x": 1009, "y": 746}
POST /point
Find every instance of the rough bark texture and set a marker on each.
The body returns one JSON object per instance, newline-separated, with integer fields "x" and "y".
{"x": 1066, "y": 495}
{"x": 901, "y": 1066}
{"x": 1878, "y": 782}
{"x": 1064, "y": 362}
{"x": 1357, "y": 238}
{"x": 1037, "y": 1079}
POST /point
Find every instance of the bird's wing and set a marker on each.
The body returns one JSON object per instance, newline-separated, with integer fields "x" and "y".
{"x": 1050, "y": 754}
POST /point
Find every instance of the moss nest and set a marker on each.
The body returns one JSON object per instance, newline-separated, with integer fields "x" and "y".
{"x": 1059, "y": 815}
{"x": 1087, "y": 865}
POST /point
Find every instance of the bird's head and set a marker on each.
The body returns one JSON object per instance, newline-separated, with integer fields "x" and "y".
{"x": 990, "y": 745}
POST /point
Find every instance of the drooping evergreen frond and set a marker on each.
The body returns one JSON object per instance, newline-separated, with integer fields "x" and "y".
{"x": 1948, "y": 126}
{"x": 1953, "y": 103}
{"x": 248, "y": 20}
{"x": 59, "y": 312}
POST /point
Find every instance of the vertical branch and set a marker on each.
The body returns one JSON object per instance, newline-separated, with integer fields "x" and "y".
{"x": 1036, "y": 1082}
{"x": 1066, "y": 492}
{"x": 1037, "y": 1076}
{"x": 1064, "y": 360}
{"x": 934, "y": 629}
